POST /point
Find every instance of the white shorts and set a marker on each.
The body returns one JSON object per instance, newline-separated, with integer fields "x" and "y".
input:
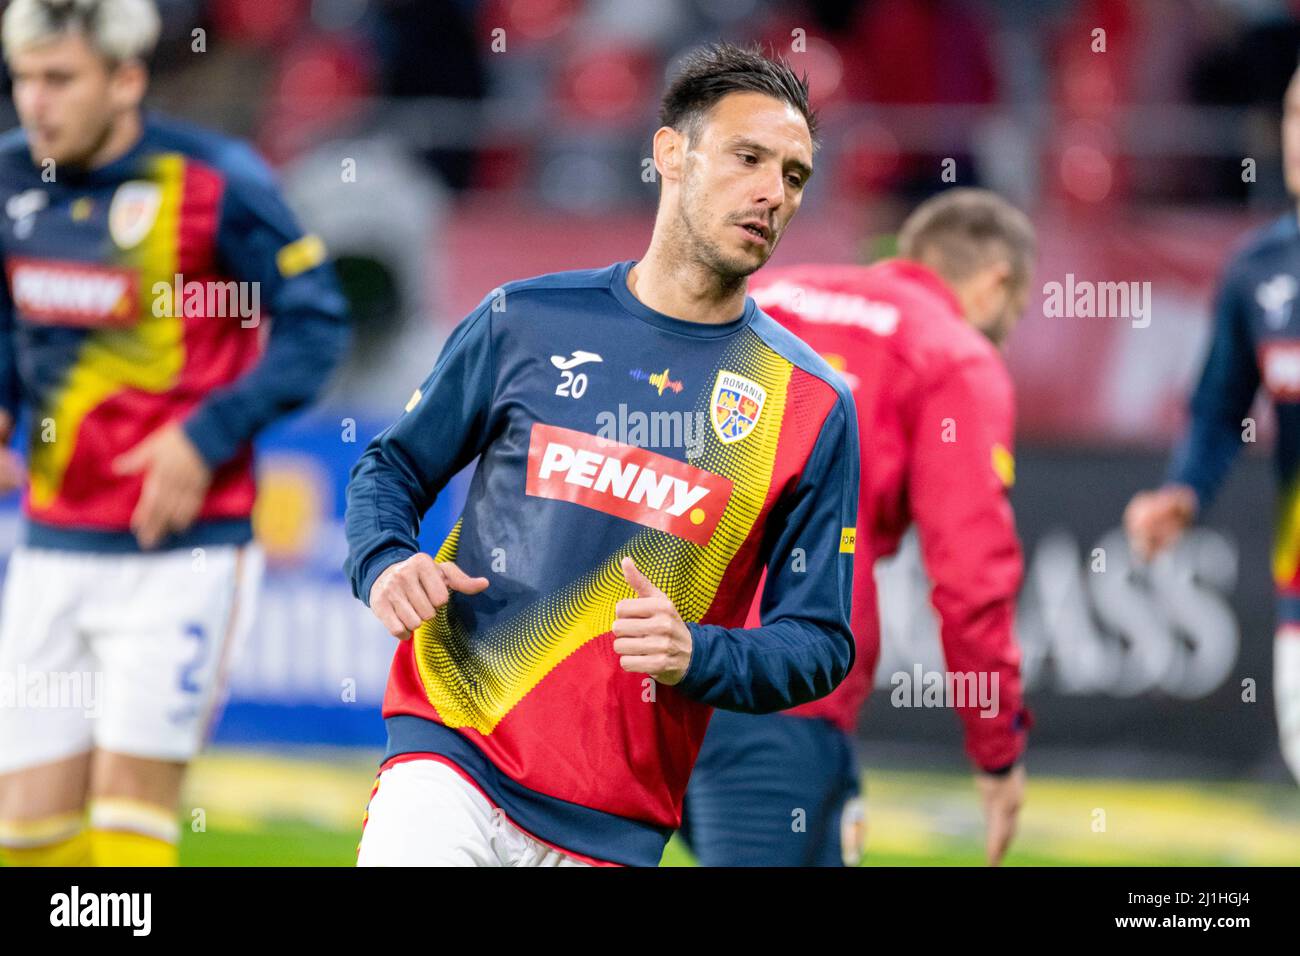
{"x": 120, "y": 652}
{"x": 424, "y": 813}
{"x": 1286, "y": 694}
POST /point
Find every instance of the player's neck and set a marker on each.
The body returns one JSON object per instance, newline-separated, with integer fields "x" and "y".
{"x": 683, "y": 290}
{"x": 122, "y": 136}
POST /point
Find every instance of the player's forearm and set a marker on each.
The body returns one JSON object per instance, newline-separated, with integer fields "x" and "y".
{"x": 1206, "y": 455}
{"x": 805, "y": 646}
{"x": 10, "y": 396}
{"x": 763, "y": 669}
{"x": 302, "y": 353}
{"x": 983, "y": 682}
{"x": 995, "y": 740}
{"x": 381, "y": 521}
{"x": 10, "y": 392}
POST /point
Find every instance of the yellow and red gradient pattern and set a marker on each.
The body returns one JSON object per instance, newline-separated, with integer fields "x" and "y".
{"x": 147, "y": 355}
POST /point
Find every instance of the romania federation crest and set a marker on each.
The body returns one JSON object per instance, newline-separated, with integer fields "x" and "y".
{"x": 736, "y": 402}
{"x": 133, "y": 212}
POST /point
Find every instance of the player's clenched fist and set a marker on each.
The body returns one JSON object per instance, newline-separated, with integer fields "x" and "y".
{"x": 649, "y": 635}
{"x": 409, "y": 592}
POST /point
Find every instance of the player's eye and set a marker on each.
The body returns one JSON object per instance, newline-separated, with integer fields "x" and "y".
{"x": 749, "y": 159}
{"x": 795, "y": 180}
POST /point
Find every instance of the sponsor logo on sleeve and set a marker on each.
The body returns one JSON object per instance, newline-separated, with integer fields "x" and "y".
{"x": 300, "y": 255}
{"x": 1004, "y": 465}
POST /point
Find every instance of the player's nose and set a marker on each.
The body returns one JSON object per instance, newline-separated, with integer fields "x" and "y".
{"x": 769, "y": 188}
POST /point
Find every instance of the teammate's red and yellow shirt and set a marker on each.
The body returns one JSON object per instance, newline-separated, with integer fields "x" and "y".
{"x": 141, "y": 293}
{"x": 602, "y": 428}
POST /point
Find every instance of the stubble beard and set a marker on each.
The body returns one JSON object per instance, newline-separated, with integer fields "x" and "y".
{"x": 697, "y": 248}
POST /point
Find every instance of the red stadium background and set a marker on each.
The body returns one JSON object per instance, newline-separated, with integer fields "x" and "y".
{"x": 443, "y": 147}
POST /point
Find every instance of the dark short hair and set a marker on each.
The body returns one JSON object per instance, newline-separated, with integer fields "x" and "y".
{"x": 711, "y": 72}
{"x": 960, "y": 231}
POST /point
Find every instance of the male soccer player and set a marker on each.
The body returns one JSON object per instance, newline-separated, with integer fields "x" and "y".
{"x": 1256, "y": 339}
{"x": 916, "y": 340}
{"x": 648, "y": 442}
{"x": 141, "y": 258}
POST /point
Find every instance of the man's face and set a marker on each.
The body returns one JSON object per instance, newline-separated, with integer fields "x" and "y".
{"x": 66, "y": 97}
{"x": 1291, "y": 135}
{"x": 743, "y": 178}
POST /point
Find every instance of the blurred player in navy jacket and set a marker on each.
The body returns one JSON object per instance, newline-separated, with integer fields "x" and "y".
{"x": 1256, "y": 341}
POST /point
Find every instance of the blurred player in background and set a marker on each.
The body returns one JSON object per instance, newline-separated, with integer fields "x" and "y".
{"x": 1256, "y": 339}
{"x": 916, "y": 339}
{"x": 141, "y": 258}
{"x": 547, "y": 710}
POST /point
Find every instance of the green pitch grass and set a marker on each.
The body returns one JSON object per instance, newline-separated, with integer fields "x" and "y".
{"x": 247, "y": 808}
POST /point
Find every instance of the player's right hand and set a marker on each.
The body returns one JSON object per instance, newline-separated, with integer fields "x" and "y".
{"x": 409, "y": 592}
{"x": 1154, "y": 520}
{"x": 1002, "y": 796}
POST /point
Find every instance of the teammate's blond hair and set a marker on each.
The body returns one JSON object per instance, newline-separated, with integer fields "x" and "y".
{"x": 960, "y": 231}
{"x": 120, "y": 30}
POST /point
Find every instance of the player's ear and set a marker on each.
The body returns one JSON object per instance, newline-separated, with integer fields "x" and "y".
{"x": 1000, "y": 273}
{"x": 129, "y": 82}
{"x": 669, "y": 153}
{"x": 998, "y": 284}
{"x": 1013, "y": 290}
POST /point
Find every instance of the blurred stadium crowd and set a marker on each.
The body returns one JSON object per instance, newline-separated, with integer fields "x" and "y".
{"x": 550, "y": 97}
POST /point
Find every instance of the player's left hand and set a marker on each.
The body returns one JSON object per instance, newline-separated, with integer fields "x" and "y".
{"x": 1002, "y": 797}
{"x": 176, "y": 480}
{"x": 650, "y": 637}
{"x": 12, "y": 472}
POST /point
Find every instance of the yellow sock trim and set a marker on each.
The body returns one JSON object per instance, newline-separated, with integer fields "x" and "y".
{"x": 124, "y": 848}
{"x": 46, "y": 830}
{"x": 132, "y": 833}
{"x": 71, "y": 851}
{"x": 122, "y": 813}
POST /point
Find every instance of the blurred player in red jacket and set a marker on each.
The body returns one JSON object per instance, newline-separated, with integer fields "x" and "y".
{"x": 916, "y": 339}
